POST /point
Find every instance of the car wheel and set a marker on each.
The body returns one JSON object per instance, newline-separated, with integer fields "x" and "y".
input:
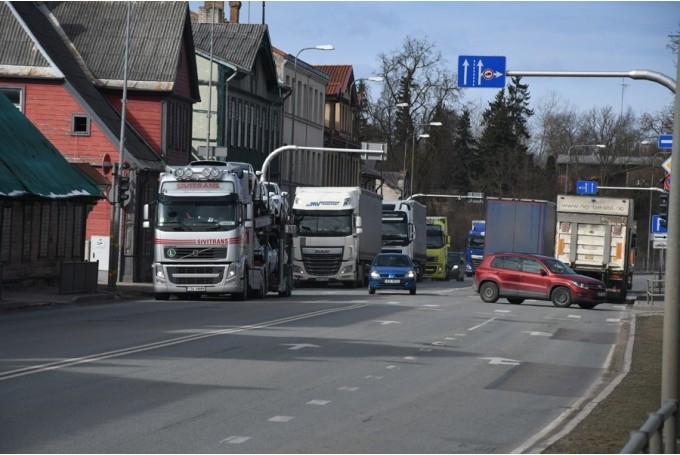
{"x": 461, "y": 277}
{"x": 515, "y": 300}
{"x": 412, "y": 291}
{"x": 587, "y": 305}
{"x": 371, "y": 290}
{"x": 489, "y": 292}
{"x": 561, "y": 297}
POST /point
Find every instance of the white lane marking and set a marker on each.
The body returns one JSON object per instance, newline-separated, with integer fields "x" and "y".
{"x": 574, "y": 316}
{"x": 387, "y": 322}
{"x": 377, "y": 378}
{"x": 450, "y": 338}
{"x": 410, "y": 357}
{"x": 482, "y": 324}
{"x": 617, "y": 320}
{"x": 162, "y": 344}
{"x": 437, "y": 343}
{"x": 500, "y": 361}
{"x": 281, "y": 419}
{"x": 235, "y": 440}
{"x": 297, "y": 347}
{"x": 431, "y": 305}
{"x": 318, "y": 402}
{"x": 348, "y": 388}
{"x": 538, "y": 334}
{"x": 391, "y": 367}
{"x": 501, "y": 311}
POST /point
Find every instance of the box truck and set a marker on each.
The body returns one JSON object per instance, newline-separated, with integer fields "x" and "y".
{"x": 404, "y": 230}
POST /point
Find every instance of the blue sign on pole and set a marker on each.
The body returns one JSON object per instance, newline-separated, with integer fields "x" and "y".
{"x": 659, "y": 225}
{"x": 481, "y": 71}
{"x": 586, "y": 187}
{"x": 666, "y": 141}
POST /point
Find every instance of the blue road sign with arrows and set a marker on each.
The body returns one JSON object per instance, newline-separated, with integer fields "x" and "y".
{"x": 481, "y": 71}
{"x": 586, "y": 187}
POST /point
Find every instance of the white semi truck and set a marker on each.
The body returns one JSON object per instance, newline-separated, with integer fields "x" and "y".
{"x": 597, "y": 236}
{"x": 404, "y": 224}
{"x": 211, "y": 239}
{"x": 339, "y": 232}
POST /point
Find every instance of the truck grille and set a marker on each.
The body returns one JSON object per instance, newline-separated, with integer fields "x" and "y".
{"x": 196, "y": 253}
{"x": 476, "y": 262}
{"x": 190, "y": 276}
{"x": 322, "y": 264}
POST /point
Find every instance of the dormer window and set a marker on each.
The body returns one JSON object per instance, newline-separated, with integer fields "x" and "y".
{"x": 80, "y": 125}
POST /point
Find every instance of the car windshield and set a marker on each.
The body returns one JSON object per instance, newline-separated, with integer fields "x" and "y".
{"x": 559, "y": 267}
{"x": 391, "y": 260}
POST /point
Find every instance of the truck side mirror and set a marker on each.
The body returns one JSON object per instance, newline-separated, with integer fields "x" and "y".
{"x": 357, "y": 223}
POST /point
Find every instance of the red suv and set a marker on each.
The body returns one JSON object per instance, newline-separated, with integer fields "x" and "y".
{"x": 519, "y": 276}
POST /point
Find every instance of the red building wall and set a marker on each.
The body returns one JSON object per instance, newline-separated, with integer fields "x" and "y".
{"x": 49, "y": 106}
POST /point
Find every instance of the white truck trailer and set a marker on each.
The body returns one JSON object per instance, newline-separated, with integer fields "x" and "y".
{"x": 404, "y": 224}
{"x": 597, "y": 237}
{"x": 209, "y": 238}
{"x": 339, "y": 232}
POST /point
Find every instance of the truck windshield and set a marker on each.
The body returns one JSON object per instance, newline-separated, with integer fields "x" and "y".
{"x": 435, "y": 238}
{"x": 395, "y": 232}
{"x": 191, "y": 214}
{"x": 324, "y": 223}
{"x": 475, "y": 242}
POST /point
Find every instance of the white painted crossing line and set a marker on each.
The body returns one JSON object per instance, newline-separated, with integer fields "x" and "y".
{"x": 318, "y": 402}
{"x": 281, "y": 419}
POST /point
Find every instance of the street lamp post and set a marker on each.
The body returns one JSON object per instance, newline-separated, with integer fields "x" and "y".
{"x": 413, "y": 147}
{"x": 566, "y": 173}
{"x": 351, "y": 115}
{"x": 319, "y": 47}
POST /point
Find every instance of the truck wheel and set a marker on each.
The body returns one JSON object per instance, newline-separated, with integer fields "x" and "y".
{"x": 162, "y": 296}
{"x": 561, "y": 297}
{"x": 489, "y": 292}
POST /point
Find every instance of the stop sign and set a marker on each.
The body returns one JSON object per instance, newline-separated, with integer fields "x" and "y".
{"x": 106, "y": 164}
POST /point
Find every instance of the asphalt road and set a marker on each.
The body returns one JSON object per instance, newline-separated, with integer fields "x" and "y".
{"x": 328, "y": 370}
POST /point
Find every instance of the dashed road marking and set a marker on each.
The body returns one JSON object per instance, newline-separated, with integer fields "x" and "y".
{"x": 235, "y": 440}
{"x": 281, "y": 419}
{"x": 318, "y": 402}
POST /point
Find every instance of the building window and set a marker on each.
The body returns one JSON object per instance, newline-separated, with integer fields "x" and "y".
{"x": 15, "y": 95}
{"x": 80, "y": 125}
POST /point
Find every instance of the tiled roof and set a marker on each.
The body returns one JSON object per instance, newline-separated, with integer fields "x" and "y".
{"x": 341, "y": 78}
{"x": 31, "y": 165}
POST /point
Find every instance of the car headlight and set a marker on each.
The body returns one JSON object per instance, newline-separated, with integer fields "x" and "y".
{"x": 455, "y": 267}
{"x": 410, "y": 274}
{"x": 580, "y": 285}
{"x": 374, "y": 274}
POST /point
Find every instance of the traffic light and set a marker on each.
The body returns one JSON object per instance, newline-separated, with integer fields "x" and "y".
{"x": 663, "y": 205}
{"x": 123, "y": 188}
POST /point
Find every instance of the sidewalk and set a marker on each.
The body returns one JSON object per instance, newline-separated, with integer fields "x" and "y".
{"x": 18, "y": 297}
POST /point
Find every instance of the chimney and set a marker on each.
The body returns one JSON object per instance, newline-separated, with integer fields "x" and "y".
{"x": 211, "y": 11}
{"x": 234, "y": 8}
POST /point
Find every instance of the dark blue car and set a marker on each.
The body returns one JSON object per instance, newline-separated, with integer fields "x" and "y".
{"x": 393, "y": 271}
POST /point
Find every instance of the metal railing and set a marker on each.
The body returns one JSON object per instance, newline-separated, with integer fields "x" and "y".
{"x": 659, "y": 431}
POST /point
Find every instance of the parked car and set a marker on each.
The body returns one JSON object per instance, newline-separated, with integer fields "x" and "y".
{"x": 392, "y": 271}
{"x": 455, "y": 263}
{"x": 519, "y": 276}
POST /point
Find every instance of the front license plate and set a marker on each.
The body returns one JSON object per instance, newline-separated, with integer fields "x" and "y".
{"x": 392, "y": 281}
{"x": 195, "y": 288}
{"x": 602, "y": 294}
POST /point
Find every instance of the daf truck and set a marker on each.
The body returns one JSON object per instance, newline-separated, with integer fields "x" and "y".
{"x": 404, "y": 230}
{"x": 438, "y": 241}
{"x": 211, "y": 239}
{"x": 597, "y": 237}
{"x": 339, "y": 232}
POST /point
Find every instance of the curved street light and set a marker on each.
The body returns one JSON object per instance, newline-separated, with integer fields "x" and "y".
{"x": 413, "y": 147}
{"x": 351, "y": 115}
{"x": 319, "y": 47}
{"x": 566, "y": 172}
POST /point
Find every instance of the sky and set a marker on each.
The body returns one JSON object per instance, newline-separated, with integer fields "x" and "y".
{"x": 532, "y": 36}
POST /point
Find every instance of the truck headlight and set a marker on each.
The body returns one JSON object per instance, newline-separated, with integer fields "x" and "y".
{"x": 232, "y": 269}
{"x": 159, "y": 272}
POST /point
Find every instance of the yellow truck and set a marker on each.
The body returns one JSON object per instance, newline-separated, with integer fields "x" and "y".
{"x": 438, "y": 242}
